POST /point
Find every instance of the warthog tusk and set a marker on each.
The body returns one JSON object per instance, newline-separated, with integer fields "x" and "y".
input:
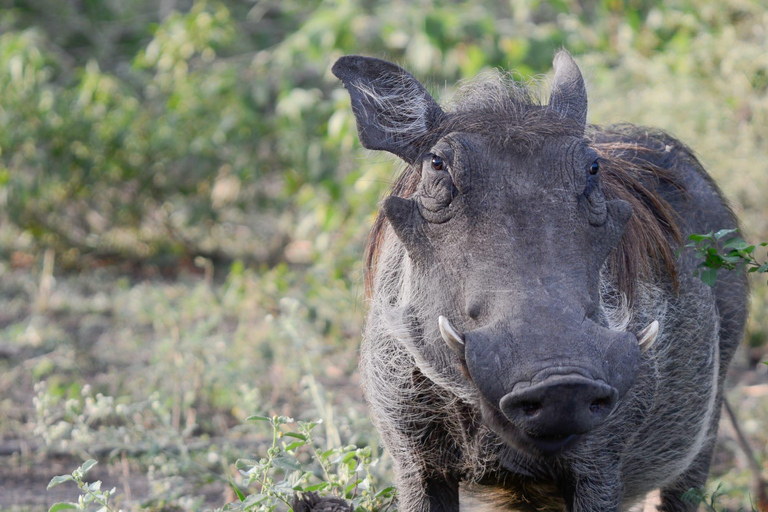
{"x": 647, "y": 337}
{"x": 450, "y": 335}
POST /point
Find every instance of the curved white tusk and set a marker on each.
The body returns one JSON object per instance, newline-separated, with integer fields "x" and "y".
{"x": 647, "y": 337}
{"x": 450, "y": 335}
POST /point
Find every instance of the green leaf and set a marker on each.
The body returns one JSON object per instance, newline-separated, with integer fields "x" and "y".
{"x": 296, "y": 435}
{"x": 295, "y": 479}
{"x": 709, "y": 276}
{"x": 254, "y": 499}
{"x": 319, "y": 487}
{"x": 723, "y": 232}
{"x": 237, "y": 490}
{"x": 387, "y": 491}
{"x": 735, "y": 243}
{"x": 286, "y": 461}
{"x": 87, "y": 465}
{"x": 291, "y": 483}
{"x": 327, "y": 453}
{"x": 309, "y": 425}
{"x": 351, "y": 487}
{"x": 733, "y": 258}
{"x": 59, "y": 480}
{"x": 293, "y": 445}
{"x": 256, "y": 417}
{"x": 62, "y": 506}
{"x": 699, "y": 238}
{"x": 246, "y": 463}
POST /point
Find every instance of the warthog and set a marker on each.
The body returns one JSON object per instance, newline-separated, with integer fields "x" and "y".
{"x": 533, "y": 336}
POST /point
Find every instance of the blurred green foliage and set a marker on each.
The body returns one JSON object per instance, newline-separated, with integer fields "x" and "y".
{"x": 136, "y": 129}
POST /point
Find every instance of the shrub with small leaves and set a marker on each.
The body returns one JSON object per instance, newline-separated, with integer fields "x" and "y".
{"x": 707, "y": 501}
{"x": 724, "y": 250}
{"x": 90, "y": 493}
{"x": 296, "y": 463}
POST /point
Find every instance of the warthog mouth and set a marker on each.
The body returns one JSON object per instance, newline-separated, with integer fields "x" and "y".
{"x": 517, "y": 438}
{"x": 551, "y": 445}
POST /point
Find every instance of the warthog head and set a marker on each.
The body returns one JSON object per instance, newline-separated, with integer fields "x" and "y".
{"x": 505, "y": 234}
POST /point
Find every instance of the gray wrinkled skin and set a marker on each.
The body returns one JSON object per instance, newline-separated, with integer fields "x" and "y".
{"x": 549, "y": 404}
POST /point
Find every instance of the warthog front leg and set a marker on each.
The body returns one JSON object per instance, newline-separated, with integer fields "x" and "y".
{"x": 599, "y": 490}
{"x": 443, "y": 494}
{"x": 418, "y": 492}
{"x": 695, "y": 477}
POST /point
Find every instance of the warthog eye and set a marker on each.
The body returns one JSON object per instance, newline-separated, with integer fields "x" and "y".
{"x": 595, "y": 199}
{"x": 436, "y": 190}
{"x": 438, "y": 163}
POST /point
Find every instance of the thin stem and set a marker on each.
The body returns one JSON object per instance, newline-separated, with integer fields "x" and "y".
{"x": 759, "y": 484}
{"x": 318, "y": 457}
{"x": 270, "y": 454}
{"x": 84, "y": 487}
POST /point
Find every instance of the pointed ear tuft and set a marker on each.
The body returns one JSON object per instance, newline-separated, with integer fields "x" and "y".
{"x": 569, "y": 95}
{"x": 393, "y": 110}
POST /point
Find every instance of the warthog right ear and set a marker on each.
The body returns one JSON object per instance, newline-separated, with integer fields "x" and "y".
{"x": 569, "y": 95}
{"x": 393, "y": 110}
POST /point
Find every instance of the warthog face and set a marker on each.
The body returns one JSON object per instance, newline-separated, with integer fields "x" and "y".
{"x": 506, "y": 234}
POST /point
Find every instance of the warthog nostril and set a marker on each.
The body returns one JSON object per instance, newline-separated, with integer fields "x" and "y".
{"x": 600, "y": 403}
{"x": 531, "y": 408}
{"x": 559, "y": 406}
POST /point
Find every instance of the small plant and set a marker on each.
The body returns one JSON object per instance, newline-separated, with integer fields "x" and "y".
{"x": 297, "y": 464}
{"x": 706, "y": 501}
{"x": 90, "y": 493}
{"x": 732, "y": 254}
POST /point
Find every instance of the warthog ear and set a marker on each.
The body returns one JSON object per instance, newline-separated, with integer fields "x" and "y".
{"x": 568, "y": 96}
{"x": 393, "y": 110}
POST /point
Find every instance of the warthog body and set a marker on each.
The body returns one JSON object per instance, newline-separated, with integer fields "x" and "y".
{"x": 533, "y": 337}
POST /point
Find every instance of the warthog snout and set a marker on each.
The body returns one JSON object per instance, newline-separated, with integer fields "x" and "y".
{"x": 559, "y": 407}
{"x": 546, "y": 386}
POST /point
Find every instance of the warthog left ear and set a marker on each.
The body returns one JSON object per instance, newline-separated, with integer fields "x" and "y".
{"x": 393, "y": 110}
{"x": 569, "y": 95}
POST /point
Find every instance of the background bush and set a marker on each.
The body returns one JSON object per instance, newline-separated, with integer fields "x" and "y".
{"x": 215, "y": 128}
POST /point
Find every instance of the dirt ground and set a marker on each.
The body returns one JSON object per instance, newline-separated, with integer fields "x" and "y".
{"x": 24, "y": 475}
{"x": 23, "y": 485}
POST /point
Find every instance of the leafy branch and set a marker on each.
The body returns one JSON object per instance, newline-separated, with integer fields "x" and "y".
{"x": 89, "y": 493}
{"x": 298, "y": 464}
{"x": 724, "y": 250}
{"x": 719, "y": 250}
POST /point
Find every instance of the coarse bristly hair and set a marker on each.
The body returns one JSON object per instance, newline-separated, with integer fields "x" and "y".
{"x": 633, "y": 163}
{"x": 426, "y": 404}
